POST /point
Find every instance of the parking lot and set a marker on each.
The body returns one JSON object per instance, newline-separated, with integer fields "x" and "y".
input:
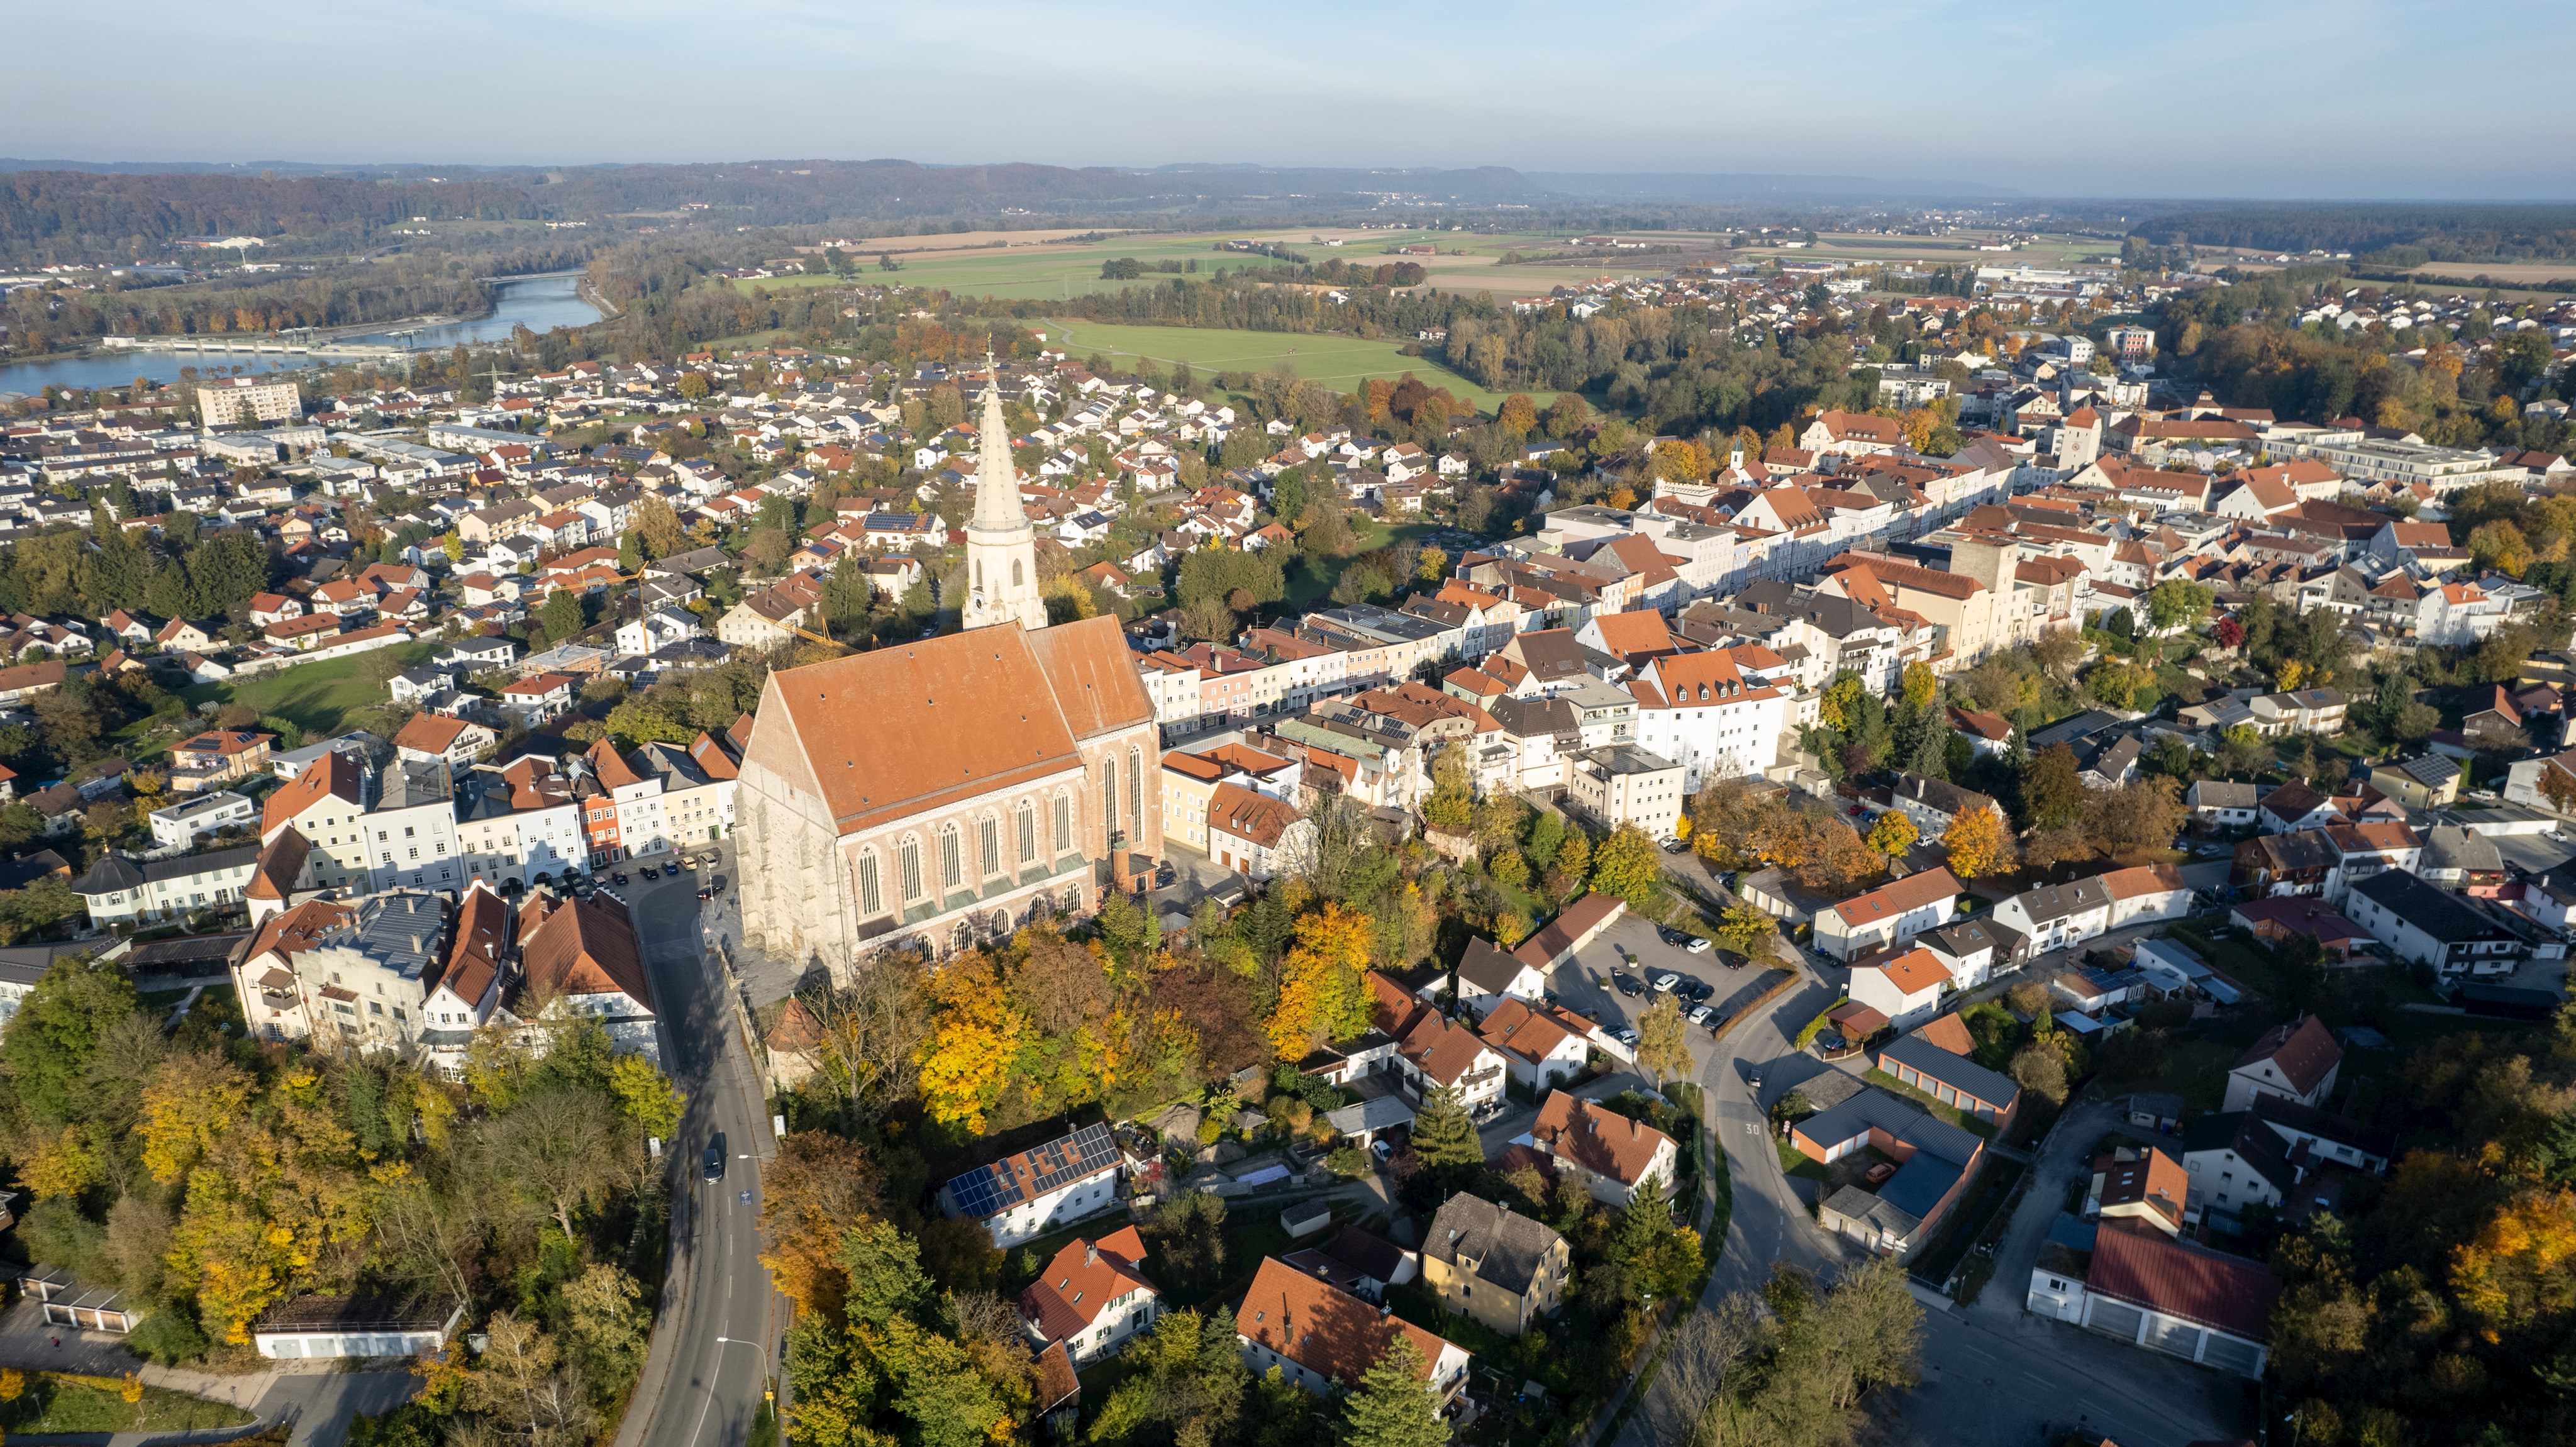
{"x": 1631, "y": 948}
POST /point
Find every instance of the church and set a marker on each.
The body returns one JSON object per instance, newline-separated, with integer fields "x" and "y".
{"x": 945, "y": 792}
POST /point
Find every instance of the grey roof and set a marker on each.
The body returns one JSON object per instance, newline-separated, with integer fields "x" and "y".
{"x": 1941, "y": 795}
{"x": 1524, "y": 718}
{"x": 115, "y": 873}
{"x": 2253, "y": 1141}
{"x": 1957, "y": 1072}
{"x": 2057, "y": 901}
{"x": 1383, "y": 1113}
{"x": 2447, "y": 917}
{"x": 416, "y": 781}
{"x": 1488, "y": 966}
{"x": 1874, "y": 1108}
{"x": 2451, "y": 846}
{"x": 2221, "y": 794}
{"x": 1507, "y": 1247}
{"x": 2067, "y": 731}
{"x": 1967, "y": 937}
{"x": 1856, "y": 1204}
{"x": 1627, "y": 759}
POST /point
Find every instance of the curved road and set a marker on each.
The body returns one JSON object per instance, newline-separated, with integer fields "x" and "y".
{"x": 716, "y": 1338}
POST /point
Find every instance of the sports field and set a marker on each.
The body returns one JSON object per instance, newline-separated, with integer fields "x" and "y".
{"x": 1340, "y": 363}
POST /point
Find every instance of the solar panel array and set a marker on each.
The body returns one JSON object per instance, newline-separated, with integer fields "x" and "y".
{"x": 990, "y": 1190}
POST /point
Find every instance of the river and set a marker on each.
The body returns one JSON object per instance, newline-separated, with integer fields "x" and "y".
{"x": 541, "y": 302}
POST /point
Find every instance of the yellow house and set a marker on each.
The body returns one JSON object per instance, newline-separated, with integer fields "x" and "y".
{"x": 2430, "y": 782}
{"x": 1504, "y": 1269}
{"x": 1188, "y": 783}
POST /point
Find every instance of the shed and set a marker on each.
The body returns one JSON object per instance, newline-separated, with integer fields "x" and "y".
{"x": 1305, "y": 1220}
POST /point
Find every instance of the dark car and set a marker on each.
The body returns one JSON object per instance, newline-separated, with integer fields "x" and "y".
{"x": 1164, "y": 875}
{"x": 712, "y": 1168}
{"x": 618, "y": 878}
{"x": 719, "y": 885}
{"x": 1624, "y": 984}
{"x": 706, "y": 894}
{"x": 649, "y": 872}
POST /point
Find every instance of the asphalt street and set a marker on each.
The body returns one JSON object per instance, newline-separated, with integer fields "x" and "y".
{"x": 715, "y": 1342}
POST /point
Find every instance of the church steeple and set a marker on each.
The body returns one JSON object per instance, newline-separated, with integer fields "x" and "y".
{"x": 1001, "y": 549}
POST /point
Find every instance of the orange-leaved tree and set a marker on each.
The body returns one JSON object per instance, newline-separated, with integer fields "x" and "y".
{"x": 820, "y": 1185}
{"x": 1979, "y": 844}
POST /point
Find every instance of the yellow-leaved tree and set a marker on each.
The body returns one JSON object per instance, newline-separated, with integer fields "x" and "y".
{"x": 1979, "y": 844}
{"x": 189, "y": 1102}
{"x": 968, "y": 1056}
{"x": 1323, "y": 990}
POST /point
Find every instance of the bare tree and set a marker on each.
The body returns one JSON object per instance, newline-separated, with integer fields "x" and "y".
{"x": 559, "y": 1147}
{"x": 868, "y": 1033}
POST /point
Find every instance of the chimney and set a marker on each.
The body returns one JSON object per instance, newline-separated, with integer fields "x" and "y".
{"x": 1090, "y": 1253}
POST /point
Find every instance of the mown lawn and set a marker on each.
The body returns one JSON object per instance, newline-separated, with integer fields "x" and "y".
{"x": 316, "y": 697}
{"x": 61, "y": 1402}
{"x": 1311, "y": 580}
{"x": 1338, "y": 362}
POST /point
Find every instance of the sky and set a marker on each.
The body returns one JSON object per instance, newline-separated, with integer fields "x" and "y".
{"x": 2249, "y": 98}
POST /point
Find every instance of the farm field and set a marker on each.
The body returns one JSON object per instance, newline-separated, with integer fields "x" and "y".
{"x": 1021, "y": 272}
{"x": 1340, "y": 363}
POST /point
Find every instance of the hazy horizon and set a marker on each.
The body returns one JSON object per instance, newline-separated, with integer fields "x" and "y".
{"x": 2298, "y": 101}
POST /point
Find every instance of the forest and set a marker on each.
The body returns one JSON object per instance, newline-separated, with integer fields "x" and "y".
{"x": 209, "y": 1177}
{"x": 2392, "y": 233}
{"x": 77, "y": 216}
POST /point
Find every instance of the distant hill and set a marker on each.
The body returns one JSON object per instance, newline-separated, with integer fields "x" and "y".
{"x": 1680, "y": 188}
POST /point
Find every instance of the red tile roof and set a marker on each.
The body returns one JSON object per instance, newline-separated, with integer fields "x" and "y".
{"x": 1600, "y": 1140}
{"x": 2303, "y": 1052}
{"x": 1321, "y": 1327}
{"x": 1084, "y": 1277}
{"x": 2136, "y": 1265}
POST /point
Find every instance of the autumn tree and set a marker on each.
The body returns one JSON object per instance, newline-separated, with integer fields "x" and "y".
{"x": 1661, "y": 1032}
{"x": 1891, "y": 834}
{"x": 978, "y": 1033}
{"x": 2052, "y": 788}
{"x": 1323, "y": 992}
{"x": 1628, "y": 866}
{"x": 1980, "y": 844}
{"x": 817, "y": 1187}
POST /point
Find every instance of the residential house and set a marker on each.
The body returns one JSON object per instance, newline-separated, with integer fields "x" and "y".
{"x": 2297, "y": 1062}
{"x": 1487, "y": 975}
{"x": 1888, "y": 916}
{"x": 1907, "y": 988}
{"x": 454, "y": 742}
{"x": 2059, "y": 916}
{"x": 1325, "y": 1339}
{"x": 1605, "y": 1152}
{"x": 1034, "y": 1192}
{"x": 119, "y": 891}
{"x": 2426, "y": 925}
{"x": 1092, "y": 1297}
{"x": 2421, "y": 784}
{"x": 1543, "y": 1045}
{"x": 1932, "y": 804}
{"x": 1491, "y": 1263}
{"x": 217, "y": 757}
{"x": 2221, "y": 804}
{"x": 2148, "y": 1187}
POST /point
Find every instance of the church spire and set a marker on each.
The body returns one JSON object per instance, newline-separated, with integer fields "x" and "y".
{"x": 997, "y": 483}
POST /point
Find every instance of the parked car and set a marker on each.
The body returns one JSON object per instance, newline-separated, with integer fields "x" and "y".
{"x": 1700, "y": 1015}
{"x": 705, "y": 894}
{"x": 1697, "y": 946}
{"x": 618, "y": 878}
{"x": 1665, "y": 982}
{"x": 1879, "y": 1173}
{"x": 1382, "y": 1150}
{"x": 712, "y": 1166}
{"x": 1674, "y": 846}
{"x": 1624, "y": 1037}
{"x": 649, "y": 872}
{"x": 1625, "y": 984}
{"x": 1164, "y": 874}
{"x": 1670, "y": 935}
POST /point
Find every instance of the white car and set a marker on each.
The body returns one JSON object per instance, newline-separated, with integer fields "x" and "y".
{"x": 1701, "y": 1015}
{"x": 1665, "y": 983}
{"x": 1698, "y": 945}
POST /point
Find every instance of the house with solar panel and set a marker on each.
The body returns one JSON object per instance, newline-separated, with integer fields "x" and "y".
{"x": 1022, "y": 1197}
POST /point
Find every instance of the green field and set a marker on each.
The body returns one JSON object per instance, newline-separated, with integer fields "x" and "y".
{"x": 1340, "y": 363}
{"x": 1052, "y": 269}
{"x": 316, "y": 697}
{"x": 61, "y": 1402}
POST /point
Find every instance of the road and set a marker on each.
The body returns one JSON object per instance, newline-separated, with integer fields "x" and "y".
{"x": 714, "y": 1344}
